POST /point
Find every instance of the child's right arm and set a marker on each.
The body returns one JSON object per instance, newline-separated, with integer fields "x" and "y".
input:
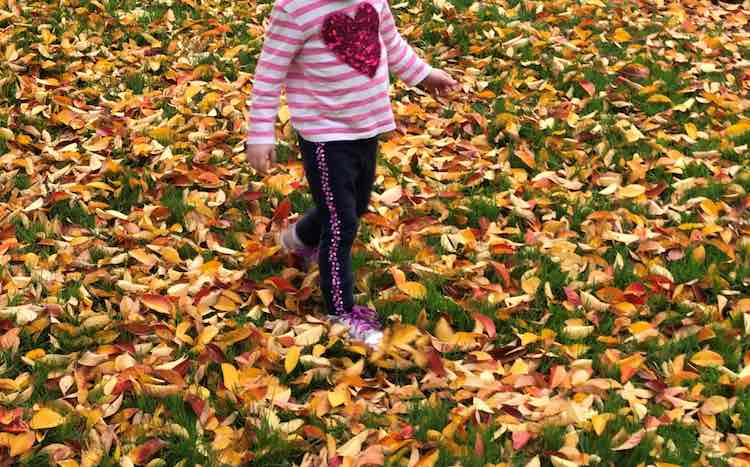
{"x": 283, "y": 39}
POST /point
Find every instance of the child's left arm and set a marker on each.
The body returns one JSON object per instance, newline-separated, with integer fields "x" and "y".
{"x": 404, "y": 61}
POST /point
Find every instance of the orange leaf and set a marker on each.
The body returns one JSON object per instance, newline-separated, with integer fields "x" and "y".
{"x": 21, "y": 443}
{"x": 157, "y": 303}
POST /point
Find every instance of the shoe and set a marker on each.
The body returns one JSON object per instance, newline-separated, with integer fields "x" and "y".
{"x": 291, "y": 243}
{"x": 363, "y": 325}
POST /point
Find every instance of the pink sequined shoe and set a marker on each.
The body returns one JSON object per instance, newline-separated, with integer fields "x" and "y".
{"x": 363, "y": 325}
{"x": 291, "y": 243}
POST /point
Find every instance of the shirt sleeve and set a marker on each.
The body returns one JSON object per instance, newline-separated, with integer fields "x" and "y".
{"x": 283, "y": 39}
{"x": 402, "y": 59}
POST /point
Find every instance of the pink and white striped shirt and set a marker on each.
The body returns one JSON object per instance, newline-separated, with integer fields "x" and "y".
{"x": 328, "y": 98}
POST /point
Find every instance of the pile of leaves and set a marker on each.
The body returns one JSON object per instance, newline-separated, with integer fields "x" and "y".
{"x": 561, "y": 250}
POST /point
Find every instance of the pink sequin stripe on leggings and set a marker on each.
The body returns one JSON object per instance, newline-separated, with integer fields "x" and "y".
{"x": 338, "y": 300}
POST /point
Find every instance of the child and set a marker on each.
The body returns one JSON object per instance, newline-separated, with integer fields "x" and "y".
{"x": 334, "y": 57}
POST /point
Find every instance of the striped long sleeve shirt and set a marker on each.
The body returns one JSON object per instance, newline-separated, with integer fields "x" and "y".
{"x": 330, "y": 98}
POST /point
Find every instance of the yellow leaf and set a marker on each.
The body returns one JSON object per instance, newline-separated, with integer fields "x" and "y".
{"x": 707, "y": 358}
{"x": 207, "y": 335}
{"x": 310, "y": 337}
{"x": 633, "y": 134}
{"x": 659, "y": 99}
{"x": 353, "y": 447}
{"x": 291, "y": 359}
{"x": 599, "y": 421}
{"x": 443, "y": 330}
{"x": 339, "y": 395}
{"x": 190, "y": 92}
{"x": 621, "y": 35}
{"x": 403, "y": 334}
{"x": 162, "y": 133}
{"x": 281, "y": 183}
{"x": 738, "y": 128}
{"x": 685, "y": 106}
{"x": 231, "y": 377}
{"x": 46, "y": 418}
{"x": 141, "y": 149}
{"x": 691, "y": 130}
{"x": 265, "y": 295}
{"x": 224, "y": 437}
{"x": 714, "y": 405}
{"x": 413, "y": 289}
{"x": 180, "y": 332}
{"x": 429, "y": 460}
{"x": 631, "y": 191}
{"x": 171, "y": 255}
{"x": 528, "y": 338}
{"x": 98, "y": 144}
{"x": 530, "y": 284}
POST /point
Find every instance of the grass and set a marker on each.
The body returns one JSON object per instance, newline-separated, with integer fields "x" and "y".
{"x": 72, "y": 212}
{"x": 174, "y": 200}
{"x": 426, "y": 415}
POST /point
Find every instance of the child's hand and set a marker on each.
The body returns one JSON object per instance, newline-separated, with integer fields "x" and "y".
{"x": 260, "y": 156}
{"x": 440, "y": 82}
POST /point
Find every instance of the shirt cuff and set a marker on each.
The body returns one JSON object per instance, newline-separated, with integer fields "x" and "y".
{"x": 419, "y": 77}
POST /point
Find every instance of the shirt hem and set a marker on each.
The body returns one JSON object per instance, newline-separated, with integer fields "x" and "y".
{"x": 347, "y": 137}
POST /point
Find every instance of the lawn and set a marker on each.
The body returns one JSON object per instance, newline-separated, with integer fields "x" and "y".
{"x": 560, "y": 251}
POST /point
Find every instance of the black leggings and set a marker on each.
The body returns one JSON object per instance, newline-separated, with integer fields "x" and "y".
{"x": 341, "y": 175}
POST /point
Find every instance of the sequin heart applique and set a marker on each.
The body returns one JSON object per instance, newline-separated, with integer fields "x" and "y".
{"x": 356, "y": 41}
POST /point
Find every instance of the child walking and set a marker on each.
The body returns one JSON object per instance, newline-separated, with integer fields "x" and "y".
{"x": 334, "y": 58}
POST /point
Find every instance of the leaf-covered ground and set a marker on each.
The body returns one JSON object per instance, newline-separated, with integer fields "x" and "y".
{"x": 561, "y": 251}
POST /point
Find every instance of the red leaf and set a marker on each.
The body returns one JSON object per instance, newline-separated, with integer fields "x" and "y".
{"x": 139, "y": 329}
{"x": 281, "y": 284}
{"x": 502, "y": 271}
{"x": 18, "y": 426}
{"x": 196, "y": 403}
{"x": 487, "y": 324}
{"x": 588, "y": 86}
{"x": 520, "y": 438}
{"x": 631, "y": 442}
{"x": 146, "y": 451}
{"x": 572, "y": 296}
{"x": 282, "y": 210}
{"x": 435, "y": 362}
{"x": 251, "y": 195}
{"x": 8, "y": 416}
{"x": 122, "y": 386}
{"x": 479, "y": 445}
{"x": 202, "y": 293}
{"x": 212, "y": 353}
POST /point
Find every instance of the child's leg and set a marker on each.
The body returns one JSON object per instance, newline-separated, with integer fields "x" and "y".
{"x": 309, "y": 227}
{"x": 332, "y": 171}
{"x": 366, "y": 179}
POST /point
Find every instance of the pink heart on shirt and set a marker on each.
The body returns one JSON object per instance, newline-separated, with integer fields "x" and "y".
{"x": 356, "y": 41}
